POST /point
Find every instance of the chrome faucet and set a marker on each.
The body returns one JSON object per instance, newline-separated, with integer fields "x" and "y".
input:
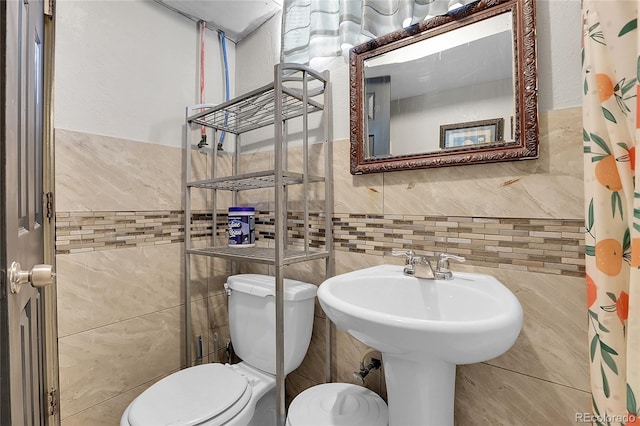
{"x": 417, "y": 266}
{"x": 442, "y": 267}
{"x": 420, "y": 266}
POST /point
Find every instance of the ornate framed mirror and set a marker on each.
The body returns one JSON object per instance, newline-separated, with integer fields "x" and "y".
{"x": 455, "y": 89}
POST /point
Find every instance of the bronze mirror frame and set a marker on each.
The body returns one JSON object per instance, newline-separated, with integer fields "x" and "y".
{"x": 525, "y": 143}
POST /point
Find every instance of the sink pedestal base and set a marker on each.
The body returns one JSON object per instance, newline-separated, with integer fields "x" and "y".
{"x": 419, "y": 391}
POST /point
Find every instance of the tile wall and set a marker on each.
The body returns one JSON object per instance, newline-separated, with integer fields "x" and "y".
{"x": 521, "y": 222}
{"x": 120, "y": 261}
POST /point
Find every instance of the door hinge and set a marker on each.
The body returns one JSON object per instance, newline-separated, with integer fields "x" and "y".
{"x": 49, "y": 206}
{"x": 52, "y": 402}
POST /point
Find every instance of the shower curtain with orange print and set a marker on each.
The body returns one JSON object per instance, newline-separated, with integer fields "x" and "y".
{"x": 611, "y": 70}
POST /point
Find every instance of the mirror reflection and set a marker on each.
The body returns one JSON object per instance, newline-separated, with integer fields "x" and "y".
{"x": 454, "y": 89}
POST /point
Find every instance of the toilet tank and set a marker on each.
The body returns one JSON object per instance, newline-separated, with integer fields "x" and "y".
{"x": 252, "y": 320}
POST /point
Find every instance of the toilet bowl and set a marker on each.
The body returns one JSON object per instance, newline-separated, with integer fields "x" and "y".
{"x": 240, "y": 394}
{"x": 207, "y": 395}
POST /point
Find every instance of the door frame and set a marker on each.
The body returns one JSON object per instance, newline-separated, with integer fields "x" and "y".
{"x": 49, "y": 293}
{"x": 4, "y": 335}
{"x": 51, "y": 412}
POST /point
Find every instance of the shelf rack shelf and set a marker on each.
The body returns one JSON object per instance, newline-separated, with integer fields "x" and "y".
{"x": 263, "y": 255}
{"x": 258, "y": 108}
{"x": 256, "y": 180}
{"x": 296, "y": 92}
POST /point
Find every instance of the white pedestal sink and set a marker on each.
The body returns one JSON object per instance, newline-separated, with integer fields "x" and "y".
{"x": 423, "y": 328}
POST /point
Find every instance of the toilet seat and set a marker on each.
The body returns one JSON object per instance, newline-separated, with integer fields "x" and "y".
{"x": 192, "y": 396}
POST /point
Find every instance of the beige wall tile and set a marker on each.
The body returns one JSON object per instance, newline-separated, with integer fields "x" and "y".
{"x": 107, "y": 413}
{"x": 313, "y": 366}
{"x": 545, "y": 187}
{"x": 97, "y": 173}
{"x": 200, "y": 276}
{"x": 315, "y": 191}
{"x": 261, "y": 199}
{"x": 346, "y": 355}
{"x": 294, "y": 385}
{"x": 202, "y": 168}
{"x": 315, "y": 161}
{"x": 354, "y": 194}
{"x": 219, "y": 270}
{"x": 531, "y": 380}
{"x": 348, "y": 261}
{"x": 100, "y": 288}
{"x": 218, "y": 320}
{"x": 553, "y": 341}
{"x": 223, "y": 338}
{"x": 254, "y": 268}
{"x": 310, "y": 272}
{"x": 102, "y": 363}
{"x": 487, "y": 395}
{"x": 200, "y": 329}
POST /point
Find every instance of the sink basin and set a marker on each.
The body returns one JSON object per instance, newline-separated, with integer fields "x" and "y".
{"x": 423, "y": 328}
{"x": 468, "y": 319}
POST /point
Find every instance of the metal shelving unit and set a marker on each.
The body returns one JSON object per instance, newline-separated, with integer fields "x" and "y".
{"x": 257, "y": 109}
{"x": 257, "y": 180}
{"x": 296, "y": 92}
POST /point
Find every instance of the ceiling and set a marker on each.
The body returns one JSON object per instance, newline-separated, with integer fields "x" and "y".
{"x": 237, "y": 18}
{"x": 480, "y": 61}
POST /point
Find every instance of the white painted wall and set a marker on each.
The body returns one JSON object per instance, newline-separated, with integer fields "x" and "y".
{"x": 261, "y": 51}
{"x": 128, "y": 69}
{"x": 416, "y": 121}
{"x": 559, "y": 76}
{"x": 559, "y": 31}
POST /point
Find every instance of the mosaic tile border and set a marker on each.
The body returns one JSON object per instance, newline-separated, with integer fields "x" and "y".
{"x": 78, "y": 232}
{"x": 552, "y": 246}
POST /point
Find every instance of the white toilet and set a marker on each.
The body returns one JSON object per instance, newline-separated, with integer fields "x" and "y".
{"x": 239, "y": 394}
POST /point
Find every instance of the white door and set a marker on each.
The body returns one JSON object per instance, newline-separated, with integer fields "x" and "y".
{"x": 22, "y": 392}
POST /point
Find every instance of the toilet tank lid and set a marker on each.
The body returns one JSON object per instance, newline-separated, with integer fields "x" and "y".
{"x": 264, "y": 285}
